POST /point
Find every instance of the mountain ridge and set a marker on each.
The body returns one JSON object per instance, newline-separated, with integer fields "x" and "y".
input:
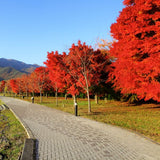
{"x": 10, "y": 68}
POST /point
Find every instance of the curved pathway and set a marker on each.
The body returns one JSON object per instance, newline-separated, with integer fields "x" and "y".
{"x": 62, "y": 136}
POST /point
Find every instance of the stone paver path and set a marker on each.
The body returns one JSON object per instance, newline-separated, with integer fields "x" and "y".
{"x": 62, "y": 136}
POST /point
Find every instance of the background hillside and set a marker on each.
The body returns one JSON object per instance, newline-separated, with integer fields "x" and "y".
{"x": 10, "y": 68}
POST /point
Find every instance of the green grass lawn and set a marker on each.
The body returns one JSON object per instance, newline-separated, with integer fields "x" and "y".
{"x": 14, "y": 135}
{"x": 144, "y": 119}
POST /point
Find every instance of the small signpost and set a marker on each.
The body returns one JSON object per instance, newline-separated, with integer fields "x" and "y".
{"x": 76, "y": 109}
{"x": 32, "y": 98}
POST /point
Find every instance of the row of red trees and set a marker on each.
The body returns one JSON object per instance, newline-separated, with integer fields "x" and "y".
{"x": 72, "y": 73}
{"x": 37, "y": 82}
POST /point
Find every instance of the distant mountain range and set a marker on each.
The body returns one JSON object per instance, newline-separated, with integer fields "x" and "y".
{"x": 10, "y": 68}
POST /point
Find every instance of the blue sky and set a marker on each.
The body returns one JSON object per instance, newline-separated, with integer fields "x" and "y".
{"x": 31, "y": 28}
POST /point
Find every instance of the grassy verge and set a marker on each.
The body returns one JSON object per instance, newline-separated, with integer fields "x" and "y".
{"x": 143, "y": 119}
{"x": 12, "y": 136}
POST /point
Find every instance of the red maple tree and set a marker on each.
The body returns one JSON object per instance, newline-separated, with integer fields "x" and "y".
{"x": 14, "y": 86}
{"x": 25, "y": 83}
{"x": 71, "y": 84}
{"x": 33, "y": 88}
{"x": 137, "y": 49}
{"x": 56, "y": 70}
{"x": 84, "y": 65}
{"x": 42, "y": 80}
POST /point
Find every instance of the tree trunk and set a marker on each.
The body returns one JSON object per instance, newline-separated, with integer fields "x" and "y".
{"x": 56, "y": 96}
{"x": 89, "y": 103}
{"x": 74, "y": 100}
{"x": 87, "y": 90}
{"x": 96, "y": 98}
{"x": 32, "y": 94}
{"x": 66, "y": 96}
{"x": 40, "y": 96}
{"x": 26, "y": 93}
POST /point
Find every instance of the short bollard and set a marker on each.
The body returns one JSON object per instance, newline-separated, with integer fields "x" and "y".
{"x": 76, "y": 109}
{"x": 32, "y": 98}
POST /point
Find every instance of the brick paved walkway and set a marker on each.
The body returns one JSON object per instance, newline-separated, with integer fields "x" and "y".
{"x": 62, "y": 136}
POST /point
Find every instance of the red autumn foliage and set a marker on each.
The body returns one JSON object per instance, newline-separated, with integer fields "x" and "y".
{"x": 55, "y": 64}
{"x": 57, "y": 74}
{"x": 33, "y": 87}
{"x": 37, "y": 82}
{"x": 42, "y": 80}
{"x": 84, "y": 66}
{"x": 137, "y": 49}
{"x": 25, "y": 83}
{"x": 71, "y": 86}
{"x": 14, "y": 85}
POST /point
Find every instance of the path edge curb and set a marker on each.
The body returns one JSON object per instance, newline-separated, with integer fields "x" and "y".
{"x": 30, "y": 150}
